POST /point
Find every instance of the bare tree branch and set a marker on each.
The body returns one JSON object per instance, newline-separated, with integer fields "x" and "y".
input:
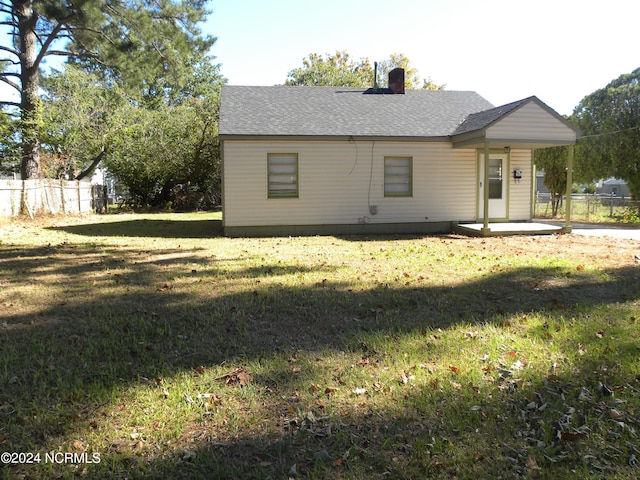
{"x": 62, "y": 53}
{"x": 5, "y": 103}
{"x": 10, "y": 83}
{"x": 10, "y": 50}
{"x": 47, "y": 43}
{"x": 94, "y": 163}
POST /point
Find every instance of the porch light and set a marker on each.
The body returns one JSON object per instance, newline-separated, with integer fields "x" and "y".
{"x": 507, "y": 149}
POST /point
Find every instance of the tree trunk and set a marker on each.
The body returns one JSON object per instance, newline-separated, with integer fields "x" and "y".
{"x": 30, "y": 106}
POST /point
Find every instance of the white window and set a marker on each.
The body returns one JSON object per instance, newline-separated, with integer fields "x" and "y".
{"x": 398, "y": 176}
{"x": 283, "y": 174}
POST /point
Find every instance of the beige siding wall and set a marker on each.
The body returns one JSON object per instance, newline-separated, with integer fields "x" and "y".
{"x": 531, "y": 122}
{"x": 339, "y": 180}
{"x": 520, "y": 190}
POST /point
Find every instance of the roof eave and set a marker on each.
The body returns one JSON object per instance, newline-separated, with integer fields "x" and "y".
{"x": 478, "y": 141}
{"x": 334, "y": 138}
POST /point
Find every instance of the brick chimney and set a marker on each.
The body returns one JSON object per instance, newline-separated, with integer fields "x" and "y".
{"x": 396, "y": 80}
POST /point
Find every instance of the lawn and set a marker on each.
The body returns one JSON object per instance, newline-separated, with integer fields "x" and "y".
{"x": 149, "y": 346}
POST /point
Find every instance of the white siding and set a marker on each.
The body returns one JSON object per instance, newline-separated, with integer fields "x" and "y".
{"x": 520, "y": 190}
{"x": 531, "y": 122}
{"x": 339, "y": 180}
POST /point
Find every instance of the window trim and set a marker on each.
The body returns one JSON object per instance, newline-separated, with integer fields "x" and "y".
{"x": 272, "y": 194}
{"x": 386, "y": 175}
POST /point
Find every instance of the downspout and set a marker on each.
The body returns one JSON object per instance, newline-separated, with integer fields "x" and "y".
{"x": 485, "y": 191}
{"x": 567, "y": 227}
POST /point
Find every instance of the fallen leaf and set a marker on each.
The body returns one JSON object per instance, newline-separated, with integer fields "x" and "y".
{"x": 571, "y": 436}
{"x": 239, "y": 375}
{"x": 200, "y": 370}
{"x": 314, "y": 388}
{"x": 580, "y": 268}
{"x": 244, "y": 378}
{"x": 454, "y": 369}
{"x": 364, "y": 361}
{"x": 330, "y": 390}
{"x": 532, "y": 467}
{"x": 359, "y": 391}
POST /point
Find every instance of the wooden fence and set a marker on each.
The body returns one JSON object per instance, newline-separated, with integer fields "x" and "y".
{"x": 49, "y": 196}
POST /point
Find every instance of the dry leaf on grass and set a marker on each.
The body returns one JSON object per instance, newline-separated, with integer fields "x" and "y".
{"x": 239, "y": 376}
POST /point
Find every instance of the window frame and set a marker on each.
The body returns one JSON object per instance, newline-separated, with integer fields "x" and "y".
{"x": 287, "y": 194}
{"x": 389, "y": 175}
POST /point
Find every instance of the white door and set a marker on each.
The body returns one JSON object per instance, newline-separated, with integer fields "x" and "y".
{"x": 498, "y": 178}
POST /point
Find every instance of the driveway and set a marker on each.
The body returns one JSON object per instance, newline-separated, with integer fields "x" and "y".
{"x": 600, "y": 230}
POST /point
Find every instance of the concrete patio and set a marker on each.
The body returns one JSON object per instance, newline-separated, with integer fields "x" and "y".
{"x": 507, "y": 228}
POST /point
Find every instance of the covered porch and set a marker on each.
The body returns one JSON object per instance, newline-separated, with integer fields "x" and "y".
{"x": 525, "y": 125}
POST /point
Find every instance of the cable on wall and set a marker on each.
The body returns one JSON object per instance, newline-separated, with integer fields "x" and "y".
{"x": 373, "y": 144}
{"x": 355, "y": 163}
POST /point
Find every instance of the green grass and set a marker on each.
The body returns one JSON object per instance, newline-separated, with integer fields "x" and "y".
{"x": 173, "y": 352}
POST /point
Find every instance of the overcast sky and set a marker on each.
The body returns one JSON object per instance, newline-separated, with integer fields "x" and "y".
{"x": 558, "y": 50}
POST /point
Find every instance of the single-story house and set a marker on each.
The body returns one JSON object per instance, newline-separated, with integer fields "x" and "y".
{"x": 614, "y": 187}
{"x": 334, "y": 160}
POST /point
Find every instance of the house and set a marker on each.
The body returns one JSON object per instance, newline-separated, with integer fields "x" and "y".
{"x": 333, "y": 160}
{"x": 615, "y": 187}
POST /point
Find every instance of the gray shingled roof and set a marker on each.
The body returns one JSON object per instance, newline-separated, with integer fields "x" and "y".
{"x": 338, "y": 111}
{"x": 480, "y": 120}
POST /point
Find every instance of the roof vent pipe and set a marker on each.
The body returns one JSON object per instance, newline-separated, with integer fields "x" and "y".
{"x": 396, "y": 80}
{"x": 375, "y": 75}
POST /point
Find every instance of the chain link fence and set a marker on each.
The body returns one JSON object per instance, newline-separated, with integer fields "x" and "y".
{"x": 590, "y": 208}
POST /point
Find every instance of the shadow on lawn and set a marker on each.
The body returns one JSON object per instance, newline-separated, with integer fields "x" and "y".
{"x": 148, "y": 228}
{"x": 80, "y": 350}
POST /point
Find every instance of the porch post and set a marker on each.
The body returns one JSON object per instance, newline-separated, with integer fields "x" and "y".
{"x": 485, "y": 228}
{"x": 567, "y": 226}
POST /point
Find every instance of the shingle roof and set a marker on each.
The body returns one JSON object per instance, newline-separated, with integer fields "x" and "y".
{"x": 338, "y": 111}
{"x": 479, "y": 120}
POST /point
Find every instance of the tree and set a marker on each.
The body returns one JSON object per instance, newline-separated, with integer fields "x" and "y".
{"x": 609, "y": 120}
{"x": 81, "y": 118}
{"x": 339, "y": 70}
{"x": 9, "y": 146}
{"x": 553, "y": 160}
{"x": 139, "y": 43}
{"x": 168, "y": 153}
{"x": 412, "y": 80}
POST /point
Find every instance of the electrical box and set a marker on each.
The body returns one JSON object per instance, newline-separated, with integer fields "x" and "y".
{"x": 517, "y": 174}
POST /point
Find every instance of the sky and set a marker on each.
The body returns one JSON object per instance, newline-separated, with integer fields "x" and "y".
{"x": 505, "y": 50}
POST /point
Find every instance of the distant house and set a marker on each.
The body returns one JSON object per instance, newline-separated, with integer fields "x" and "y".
{"x": 613, "y": 186}
{"x": 332, "y": 160}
